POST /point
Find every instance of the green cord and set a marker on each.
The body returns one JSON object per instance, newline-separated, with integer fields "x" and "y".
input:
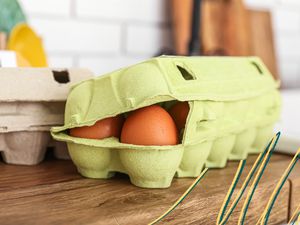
{"x": 250, "y": 177}
{"x": 278, "y": 192}
{"x": 232, "y": 191}
{"x": 182, "y": 198}
{"x": 260, "y": 175}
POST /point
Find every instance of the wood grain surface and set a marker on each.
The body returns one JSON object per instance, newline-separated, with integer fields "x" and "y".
{"x": 181, "y": 12}
{"x": 53, "y": 193}
{"x": 295, "y": 188}
{"x": 262, "y": 41}
{"x": 228, "y": 28}
{"x": 225, "y": 28}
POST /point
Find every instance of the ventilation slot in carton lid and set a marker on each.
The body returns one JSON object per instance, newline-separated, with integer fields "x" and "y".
{"x": 61, "y": 77}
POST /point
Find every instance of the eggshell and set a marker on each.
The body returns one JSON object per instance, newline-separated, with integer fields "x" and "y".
{"x": 109, "y": 127}
{"x": 151, "y": 125}
{"x": 179, "y": 113}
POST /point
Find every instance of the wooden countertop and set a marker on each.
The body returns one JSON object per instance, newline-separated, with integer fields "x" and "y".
{"x": 54, "y": 193}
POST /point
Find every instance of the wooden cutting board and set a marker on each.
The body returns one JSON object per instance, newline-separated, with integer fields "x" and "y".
{"x": 262, "y": 38}
{"x": 181, "y": 12}
{"x": 228, "y": 28}
{"x": 225, "y": 28}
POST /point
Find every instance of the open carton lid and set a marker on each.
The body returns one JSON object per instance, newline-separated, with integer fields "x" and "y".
{"x": 39, "y": 84}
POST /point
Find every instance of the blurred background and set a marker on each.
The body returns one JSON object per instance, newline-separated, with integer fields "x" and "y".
{"x": 106, "y": 35}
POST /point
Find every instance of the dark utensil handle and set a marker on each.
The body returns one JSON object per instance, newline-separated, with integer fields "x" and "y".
{"x": 194, "y": 44}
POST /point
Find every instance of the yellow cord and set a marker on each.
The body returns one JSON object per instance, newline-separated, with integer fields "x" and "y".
{"x": 230, "y": 190}
{"x": 297, "y": 211}
{"x": 244, "y": 184}
{"x": 240, "y": 192}
{"x": 181, "y": 198}
{"x": 285, "y": 174}
{"x": 254, "y": 182}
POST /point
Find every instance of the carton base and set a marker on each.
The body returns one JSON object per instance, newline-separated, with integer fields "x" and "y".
{"x": 29, "y": 147}
{"x": 155, "y": 168}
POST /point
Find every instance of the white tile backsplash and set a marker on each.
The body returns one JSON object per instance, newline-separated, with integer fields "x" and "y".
{"x": 78, "y": 36}
{"x": 286, "y": 20}
{"x": 46, "y": 7}
{"x": 147, "y": 40}
{"x": 288, "y": 47}
{"x": 290, "y": 72}
{"x": 61, "y": 61}
{"x": 145, "y": 10}
{"x": 292, "y": 3}
{"x": 261, "y": 4}
{"x": 102, "y": 65}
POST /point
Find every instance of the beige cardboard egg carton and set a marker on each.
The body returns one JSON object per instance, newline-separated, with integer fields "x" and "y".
{"x": 32, "y": 100}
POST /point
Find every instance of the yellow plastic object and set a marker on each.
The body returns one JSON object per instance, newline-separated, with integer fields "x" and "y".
{"x": 21, "y": 61}
{"x": 28, "y": 46}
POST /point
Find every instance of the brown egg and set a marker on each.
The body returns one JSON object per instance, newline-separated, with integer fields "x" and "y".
{"x": 109, "y": 127}
{"x": 179, "y": 113}
{"x": 151, "y": 125}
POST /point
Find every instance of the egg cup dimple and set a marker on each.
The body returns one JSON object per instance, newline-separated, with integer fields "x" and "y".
{"x": 93, "y": 162}
{"x": 242, "y": 142}
{"x": 233, "y": 107}
{"x": 193, "y": 161}
{"x": 151, "y": 168}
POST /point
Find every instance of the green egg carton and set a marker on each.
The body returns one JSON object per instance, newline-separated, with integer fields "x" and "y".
{"x": 234, "y": 103}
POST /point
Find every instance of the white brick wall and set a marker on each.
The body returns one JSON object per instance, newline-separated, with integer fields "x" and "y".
{"x": 106, "y": 35}
{"x": 119, "y": 10}
{"x": 75, "y": 36}
{"x": 147, "y": 40}
{"x": 46, "y": 7}
{"x": 60, "y": 61}
{"x": 104, "y": 64}
{"x": 286, "y": 20}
